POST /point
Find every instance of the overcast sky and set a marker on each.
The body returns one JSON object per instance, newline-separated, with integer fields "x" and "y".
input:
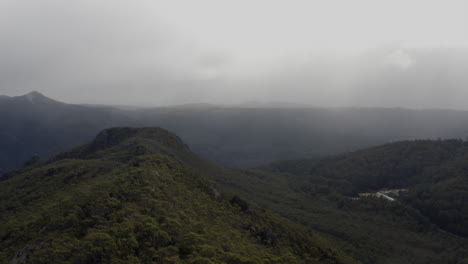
{"x": 407, "y": 53}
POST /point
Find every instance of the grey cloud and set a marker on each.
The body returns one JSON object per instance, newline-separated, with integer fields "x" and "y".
{"x": 120, "y": 52}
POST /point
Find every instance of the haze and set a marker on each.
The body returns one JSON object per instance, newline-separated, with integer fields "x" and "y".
{"x": 323, "y": 53}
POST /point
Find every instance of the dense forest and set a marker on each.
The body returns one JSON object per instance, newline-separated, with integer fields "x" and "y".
{"x": 371, "y": 229}
{"x": 435, "y": 174}
{"x": 131, "y": 196}
{"x": 95, "y": 198}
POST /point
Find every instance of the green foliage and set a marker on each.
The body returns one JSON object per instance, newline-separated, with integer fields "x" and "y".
{"x": 105, "y": 203}
{"x": 141, "y": 196}
{"x": 431, "y": 216}
{"x": 433, "y": 171}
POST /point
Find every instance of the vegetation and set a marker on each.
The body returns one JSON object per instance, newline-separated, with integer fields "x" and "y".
{"x": 131, "y": 196}
{"x": 434, "y": 172}
{"x": 91, "y": 197}
{"x": 430, "y": 217}
{"x": 371, "y": 230}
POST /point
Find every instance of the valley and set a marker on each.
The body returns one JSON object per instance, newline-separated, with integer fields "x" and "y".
{"x": 367, "y": 206}
{"x": 233, "y": 132}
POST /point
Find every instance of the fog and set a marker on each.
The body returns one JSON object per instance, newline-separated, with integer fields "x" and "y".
{"x": 321, "y": 53}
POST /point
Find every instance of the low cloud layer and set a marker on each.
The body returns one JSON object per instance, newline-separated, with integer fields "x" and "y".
{"x": 310, "y": 52}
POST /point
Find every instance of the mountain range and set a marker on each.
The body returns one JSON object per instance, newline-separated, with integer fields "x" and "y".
{"x": 239, "y": 136}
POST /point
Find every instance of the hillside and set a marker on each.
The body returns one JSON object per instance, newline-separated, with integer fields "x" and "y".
{"x": 240, "y": 136}
{"x": 435, "y": 174}
{"x": 132, "y": 196}
{"x": 127, "y": 175}
{"x": 427, "y": 218}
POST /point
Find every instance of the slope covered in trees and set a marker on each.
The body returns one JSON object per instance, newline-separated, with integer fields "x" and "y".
{"x": 372, "y": 230}
{"x": 434, "y": 173}
{"x": 135, "y": 196}
{"x": 92, "y": 203}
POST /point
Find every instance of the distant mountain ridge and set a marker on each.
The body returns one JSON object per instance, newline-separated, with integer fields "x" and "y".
{"x": 234, "y": 136}
{"x": 32, "y": 97}
{"x": 35, "y": 124}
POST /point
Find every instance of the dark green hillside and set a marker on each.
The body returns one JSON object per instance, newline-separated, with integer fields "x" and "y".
{"x": 372, "y": 230}
{"x": 427, "y": 224}
{"x": 389, "y": 166}
{"x": 131, "y": 196}
{"x": 434, "y": 172}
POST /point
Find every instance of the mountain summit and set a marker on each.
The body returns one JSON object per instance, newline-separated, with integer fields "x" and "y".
{"x": 125, "y": 143}
{"x": 35, "y": 96}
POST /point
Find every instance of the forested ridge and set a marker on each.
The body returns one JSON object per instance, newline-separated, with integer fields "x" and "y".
{"x": 131, "y": 196}
{"x": 423, "y": 225}
{"x": 142, "y": 196}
